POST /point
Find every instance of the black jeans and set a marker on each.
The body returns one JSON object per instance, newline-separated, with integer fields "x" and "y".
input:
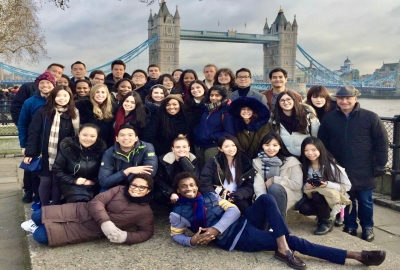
{"x": 317, "y": 206}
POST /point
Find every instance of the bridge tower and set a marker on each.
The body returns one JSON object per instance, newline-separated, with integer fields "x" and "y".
{"x": 283, "y": 53}
{"x": 165, "y": 51}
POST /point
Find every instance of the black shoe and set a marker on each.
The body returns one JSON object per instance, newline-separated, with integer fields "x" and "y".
{"x": 290, "y": 259}
{"x": 350, "y": 231}
{"x": 324, "y": 226}
{"x": 338, "y": 221}
{"x": 27, "y": 198}
{"x": 373, "y": 257}
{"x": 368, "y": 234}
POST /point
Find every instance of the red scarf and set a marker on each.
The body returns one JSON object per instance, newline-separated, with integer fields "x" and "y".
{"x": 120, "y": 119}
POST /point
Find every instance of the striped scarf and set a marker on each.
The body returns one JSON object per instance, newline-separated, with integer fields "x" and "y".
{"x": 270, "y": 166}
{"x": 54, "y": 132}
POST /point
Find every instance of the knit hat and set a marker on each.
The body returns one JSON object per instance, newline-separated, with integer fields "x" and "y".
{"x": 178, "y": 97}
{"x": 46, "y": 76}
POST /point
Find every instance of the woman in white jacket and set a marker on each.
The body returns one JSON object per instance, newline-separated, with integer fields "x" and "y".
{"x": 293, "y": 121}
{"x": 325, "y": 184}
{"x": 279, "y": 173}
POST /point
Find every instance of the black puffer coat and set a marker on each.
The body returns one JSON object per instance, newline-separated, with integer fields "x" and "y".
{"x": 211, "y": 176}
{"x": 358, "y": 142}
{"x": 74, "y": 161}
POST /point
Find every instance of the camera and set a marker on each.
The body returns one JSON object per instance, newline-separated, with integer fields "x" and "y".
{"x": 315, "y": 180}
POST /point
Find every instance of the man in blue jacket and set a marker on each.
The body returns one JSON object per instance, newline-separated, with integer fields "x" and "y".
{"x": 128, "y": 157}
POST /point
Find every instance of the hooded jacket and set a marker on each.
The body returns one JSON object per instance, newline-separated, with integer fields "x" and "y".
{"x": 28, "y": 110}
{"x": 25, "y": 91}
{"x": 114, "y": 162}
{"x": 359, "y": 142}
{"x": 250, "y": 135}
{"x": 74, "y": 161}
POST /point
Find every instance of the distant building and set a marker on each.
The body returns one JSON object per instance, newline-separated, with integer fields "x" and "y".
{"x": 348, "y": 72}
{"x": 387, "y": 70}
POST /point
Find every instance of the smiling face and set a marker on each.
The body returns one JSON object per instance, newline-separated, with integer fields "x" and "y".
{"x": 271, "y": 148}
{"x": 82, "y": 89}
{"x": 246, "y": 113}
{"x": 318, "y": 101}
{"x": 157, "y": 94}
{"x": 187, "y": 188}
{"x": 311, "y": 152}
{"x": 228, "y": 148}
{"x": 139, "y": 79}
{"x": 154, "y": 73}
{"x": 62, "y": 81}
{"x": 188, "y": 78}
{"x": 87, "y": 136}
{"x": 45, "y": 87}
{"x": 224, "y": 78}
{"x": 56, "y": 71}
{"x": 181, "y": 148}
{"x": 177, "y": 75}
{"x": 129, "y": 104}
{"x": 101, "y": 95}
{"x": 168, "y": 83}
{"x": 243, "y": 79}
{"x": 173, "y": 107}
{"x": 62, "y": 98}
{"x": 346, "y": 104}
{"x": 126, "y": 138}
{"x": 124, "y": 88}
{"x": 138, "y": 188}
{"x": 286, "y": 103}
{"x": 278, "y": 80}
{"x": 215, "y": 96}
{"x": 197, "y": 91}
{"x": 118, "y": 71}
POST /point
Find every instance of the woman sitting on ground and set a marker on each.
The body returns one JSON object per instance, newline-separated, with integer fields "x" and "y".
{"x": 108, "y": 215}
{"x": 229, "y": 174}
{"x": 325, "y": 184}
{"x": 279, "y": 173}
{"x": 178, "y": 160}
{"x": 77, "y": 164}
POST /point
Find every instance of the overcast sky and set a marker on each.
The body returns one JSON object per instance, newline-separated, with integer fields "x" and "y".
{"x": 98, "y": 31}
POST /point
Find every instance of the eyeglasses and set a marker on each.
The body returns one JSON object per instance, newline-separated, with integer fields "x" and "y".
{"x": 288, "y": 100}
{"x": 243, "y": 77}
{"x": 138, "y": 76}
{"x": 140, "y": 188}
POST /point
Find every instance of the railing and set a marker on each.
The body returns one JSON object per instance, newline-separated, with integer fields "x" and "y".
{"x": 7, "y": 127}
{"x": 392, "y": 125}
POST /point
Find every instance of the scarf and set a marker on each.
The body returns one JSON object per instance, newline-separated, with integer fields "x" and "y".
{"x": 214, "y": 106}
{"x": 140, "y": 200}
{"x": 270, "y": 166}
{"x": 121, "y": 119}
{"x": 290, "y": 123}
{"x": 54, "y": 132}
{"x": 199, "y": 211}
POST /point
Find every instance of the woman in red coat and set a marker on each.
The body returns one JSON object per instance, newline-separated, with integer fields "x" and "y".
{"x": 109, "y": 215}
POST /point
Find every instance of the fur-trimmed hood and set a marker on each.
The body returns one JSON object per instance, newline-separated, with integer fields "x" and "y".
{"x": 72, "y": 149}
{"x": 170, "y": 157}
{"x": 257, "y": 106}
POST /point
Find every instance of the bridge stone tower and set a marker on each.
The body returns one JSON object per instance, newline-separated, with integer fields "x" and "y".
{"x": 283, "y": 53}
{"x": 165, "y": 51}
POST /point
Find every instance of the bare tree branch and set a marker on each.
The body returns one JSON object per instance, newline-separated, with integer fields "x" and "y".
{"x": 21, "y": 37}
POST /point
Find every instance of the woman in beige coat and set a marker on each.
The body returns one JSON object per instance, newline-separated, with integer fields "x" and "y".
{"x": 279, "y": 173}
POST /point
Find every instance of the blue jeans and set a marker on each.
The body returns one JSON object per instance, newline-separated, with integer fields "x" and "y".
{"x": 365, "y": 210}
{"x": 40, "y": 234}
{"x": 254, "y": 238}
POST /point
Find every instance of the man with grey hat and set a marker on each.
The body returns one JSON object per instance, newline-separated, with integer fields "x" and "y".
{"x": 358, "y": 140}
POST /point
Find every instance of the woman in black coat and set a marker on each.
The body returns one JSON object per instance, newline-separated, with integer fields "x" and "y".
{"x": 77, "y": 164}
{"x": 178, "y": 160}
{"x": 318, "y": 97}
{"x": 230, "y": 174}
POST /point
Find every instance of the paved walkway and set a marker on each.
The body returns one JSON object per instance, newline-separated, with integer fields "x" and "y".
{"x": 160, "y": 252}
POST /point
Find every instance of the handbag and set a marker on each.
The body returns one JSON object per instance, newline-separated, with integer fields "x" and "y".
{"x": 36, "y": 162}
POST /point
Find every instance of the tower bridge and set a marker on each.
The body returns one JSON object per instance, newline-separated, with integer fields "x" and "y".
{"x": 278, "y": 40}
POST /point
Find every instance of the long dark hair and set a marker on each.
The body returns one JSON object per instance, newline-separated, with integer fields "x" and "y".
{"x": 149, "y": 98}
{"x": 162, "y": 77}
{"x": 180, "y": 84}
{"x": 319, "y": 91}
{"x": 51, "y": 104}
{"x": 139, "y": 120}
{"x": 327, "y": 165}
{"x": 189, "y": 98}
{"x": 221, "y": 90}
{"x": 165, "y": 118}
{"x": 283, "y": 153}
{"x": 298, "y": 110}
{"x": 237, "y": 160}
{"x": 116, "y": 85}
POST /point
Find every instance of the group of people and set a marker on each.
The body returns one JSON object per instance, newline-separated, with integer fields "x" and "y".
{"x": 228, "y": 162}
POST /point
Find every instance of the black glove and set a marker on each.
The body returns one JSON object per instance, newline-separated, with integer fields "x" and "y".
{"x": 379, "y": 170}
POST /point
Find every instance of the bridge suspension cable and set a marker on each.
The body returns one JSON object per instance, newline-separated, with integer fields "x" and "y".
{"x": 19, "y": 71}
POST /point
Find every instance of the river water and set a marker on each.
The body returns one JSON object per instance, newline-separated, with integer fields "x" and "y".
{"x": 382, "y": 107}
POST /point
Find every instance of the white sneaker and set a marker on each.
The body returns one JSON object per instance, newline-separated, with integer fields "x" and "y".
{"x": 29, "y": 226}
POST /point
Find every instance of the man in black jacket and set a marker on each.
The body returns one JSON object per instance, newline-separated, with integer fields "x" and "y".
{"x": 118, "y": 68}
{"x": 358, "y": 140}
